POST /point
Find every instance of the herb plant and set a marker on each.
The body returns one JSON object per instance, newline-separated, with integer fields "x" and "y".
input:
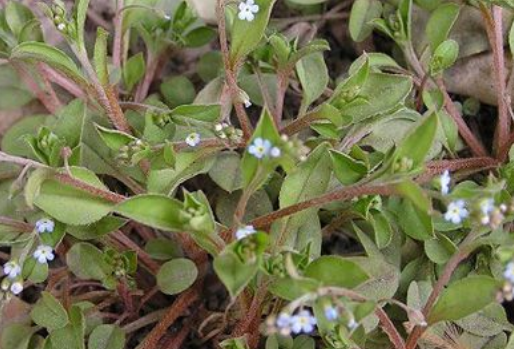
{"x": 257, "y": 200}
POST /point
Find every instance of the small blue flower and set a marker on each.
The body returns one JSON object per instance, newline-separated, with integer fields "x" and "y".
{"x": 331, "y": 313}
{"x": 244, "y": 232}
{"x": 193, "y": 139}
{"x": 456, "y": 212}
{"x": 45, "y": 226}
{"x": 12, "y": 269}
{"x": 259, "y": 148}
{"x": 303, "y": 322}
{"x": 275, "y": 152}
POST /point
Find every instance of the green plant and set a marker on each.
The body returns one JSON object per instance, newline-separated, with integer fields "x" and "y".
{"x": 126, "y": 196}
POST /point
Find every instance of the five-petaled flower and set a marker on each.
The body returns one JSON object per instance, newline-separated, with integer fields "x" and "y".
{"x": 283, "y": 323}
{"x": 445, "y": 180}
{"x": 12, "y": 269}
{"x": 303, "y": 322}
{"x": 43, "y": 254}
{"x": 16, "y": 288}
{"x": 45, "y": 225}
{"x": 245, "y": 231}
{"x": 247, "y": 10}
{"x": 456, "y": 212}
{"x": 193, "y": 139}
{"x": 486, "y": 208}
{"x": 260, "y": 148}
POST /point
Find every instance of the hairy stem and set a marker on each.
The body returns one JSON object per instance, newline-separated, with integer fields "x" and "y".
{"x": 230, "y": 69}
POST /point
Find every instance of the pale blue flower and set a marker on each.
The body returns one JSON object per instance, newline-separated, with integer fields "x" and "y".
{"x": 16, "y": 288}
{"x": 259, "y": 148}
{"x": 508, "y": 274}
{"x": 331, "y": 313}
{"x": 45, "y": 226}
{"x": 275, "y": 152}
{"x": 247, "y": 10}
{"x": 193, "y": 139}
{"x": 303, "y": 322}
{"x": 43, "y": 254}
{"x": 456, "y": 212}
{"x": 245, "y": 231}
{"x": 12, "y": 270}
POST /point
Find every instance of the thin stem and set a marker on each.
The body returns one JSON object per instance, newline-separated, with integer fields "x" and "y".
{"x": 476, "y": 147}
{"x": 230, "y": 69}
{"x": 22, "y": 226}
{"x": 118, "y": 33}
{"x": 151, "y": 69}
{"x": 105, "y": 96}
{"x": 493, "y": 25}
{"x": 63, "y": 81}
{"x": 450, "y": 267}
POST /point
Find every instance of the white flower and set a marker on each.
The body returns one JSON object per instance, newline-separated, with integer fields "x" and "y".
{"x": 275, "y": 152}
{"x": 445, "y": 180}
{"x": 259, "y": 148}
{"x": 12, "y": 270}
{"x": 243, "y": 232}
{"x": 331, "y": 313}
{"x": 303, "y": 322}
{"x": 456, "y": 212}
{"x": 43, "y": 254}
{"x": 193, "y": 139}
{"x": 248, "y": 10}
{"x": 45, "y": 226}
{"x": 352, "y": 324}
{"x": 487, "y": 206}
{"x": 508, "y": 274}
{"x": 16, "y": 288}
{"x": 61, "y": 27}
{"x": 247, "y": 103}
{"x": 167, "y": 17}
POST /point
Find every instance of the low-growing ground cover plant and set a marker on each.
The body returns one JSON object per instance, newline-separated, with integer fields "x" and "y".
{"x": 255, "y": 193}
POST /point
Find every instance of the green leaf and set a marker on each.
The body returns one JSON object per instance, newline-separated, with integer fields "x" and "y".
{"x": 440, "y": 23}
{"x": 81, "y": 15}
{"x": 177, "y": 276}
{"x": 205, "y": 112}
{"x": 114, "y": 139}
{"x": 414, "y": 222}
{"x": 412, "y": 191}
{"x": 440, "y": 249}
{"x": 100, "y": 56}
{"x": 49, "y": 313}
{"x": 310, "y": 179}
{"x": 417, "y": 143}
{"x": 71, "y": 205}
{"x": 313, "y": 75}
{"x": 511, "y": 39}
{"x": 163, "y": 249}
{"x": 199, "y": 36}
{"x": 226, "y": 171}
{"x": 178, "y": 90}
{"x": 464, "y": 297}
{"x": 37, "y": 51}
{"x": 444, "y": 56}
{"x": 16, "y": 16}
{"x": 250, "y": 164}
{"x": 290, "y": 289}
{"x": 156, "y": 211}
{"x": 87, "y": 262}
{"x": 16, "y": 336}
{"x": 96, "y": 230}
{"x": 107, "y": 337}
{"x": 134, "y": 70}
{"x": 336, "y": 271}
{"x": 490, "y": 321}
{"x": 347, "y": 170}
{"x": 71, "y": 336}
{"x": 382, "y": 228}
{"x": 247, "y": 35}
{"x": 233, "y": 272}
{"x": 363, "y": 12}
